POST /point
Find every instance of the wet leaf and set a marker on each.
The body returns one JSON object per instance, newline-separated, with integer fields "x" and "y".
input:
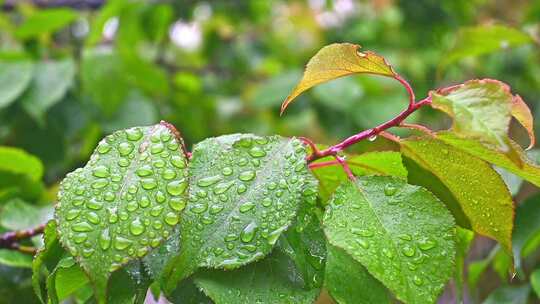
{"x": 125, "y": 201}
{"x": 402, "y": 234}
{"x": 480, "y": 191}
{"x": 338, "y": 60}
{"x": 348, "y": 281}
{"x": 244, "y": 192}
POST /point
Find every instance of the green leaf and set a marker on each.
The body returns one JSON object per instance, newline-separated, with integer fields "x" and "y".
{"x": 15, "y": 259}
{"x": 244, "y": 192}
{"x": 273, "y": 280}
{"x": 14, "y": 78}
{"x": 509, "y": 294}
{"x": 338, "y": 60}
{"x": 188, "y": 293}
{"x": 514, "y": 160}
{"x": 69, "y": 278}
{"x": 18, "y": 215}
{"x": 124, "y": 202}
{"x": 402, "y": 234}
{"x": 50, "y": 83}
{"x": 349, "y": 282}
{"x": 17, "y": 161}
{"x": 376, "y": 163}
{"x": 480, "y": 40}
{"x": 479, "y": 190}
{"x": 535, "y": 282}
{"x": 44, "y": 22}
{"x": 527, "y": 228}
{"x": 137, "y": 110}
{"x": 104, "y": 80}
{"x": 46, "y": 260}
{"x": 464, "y": 238}
{"x": 481, "y": 110}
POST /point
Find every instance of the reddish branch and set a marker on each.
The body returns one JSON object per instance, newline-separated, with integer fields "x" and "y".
{"x": 394, "y": 122}
{"x": 10, "y": 240}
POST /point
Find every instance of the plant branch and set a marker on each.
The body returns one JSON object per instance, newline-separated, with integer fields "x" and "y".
{"x": 10, "y": 240}
{"x": 396, "y": 121}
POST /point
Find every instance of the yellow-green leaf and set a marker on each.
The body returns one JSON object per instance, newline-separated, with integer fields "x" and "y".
{"x": 338, "y": 60}
{"x": 476, "y": 186}
{"x": 522, "y": 114}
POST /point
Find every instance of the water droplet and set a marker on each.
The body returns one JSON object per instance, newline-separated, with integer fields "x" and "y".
{"x": 363, "y": 243}
{"x": 427, "y": 244}
{"x": 148, "y": 183}
{"x": 372, "y": 138}
{"x": 105, "y": 239}
{"x": 100, "y": 183}
{"x": 405, "y": 237}
{"x": 257, "y": 152}
{"x": 408, "y": 251}
{"x": 178, "y": 162}
{"x": 158, "y": 163}
{"x": 199, "y": 208}
{"x": 362, "y": 232}
{"x": 418, "y": 280}
{"x": 72, "y": 214}
{"x": 216, "y": 208}
{"x": 246, "y": 207}
{"x": 227, "y": 171}
{"x": 144, "y": 201}
{"x": 103, "y": 148}
{"x": 389, "y": 190}
{"x": 241, "y": 189}
{"x": 82, "y": 227}
{"x": 94, "y": 204}
{"x": 109, "y": 196}
{"x": 145, "y": 170}
{"x": 171, "y": 218}
{"x": 101, "y": 171}
{"x": 168, "y": 174}
{"x": 208, "y": 181}
{"x": 177, "y": 204}
{"x": 223, "y": 187}
{"x": 160, "y": 196}
{"x": 177, "y": 187}
{"x": 134, "y": 134}
{"x": 80, "y": 237}
{"x": 121, "y": 243}
{"x": 92, "y": 217}
{"x": 156, "y": 148}
{"x": 125, "y": 148}
{"x": 136, "y": 227}
{"x": 156, "y": 211}
{"x": 267, "y": 202}
{"x": 113, "y": 217}
{"x": 249, "y": 232}
{"x": 247, "y": 175}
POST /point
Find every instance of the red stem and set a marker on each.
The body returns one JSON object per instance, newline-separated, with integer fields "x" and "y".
{"x": 333, "y": 150}
{"x": 9, "y": 240}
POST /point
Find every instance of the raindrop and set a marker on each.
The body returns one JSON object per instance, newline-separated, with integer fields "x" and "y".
{"x": 363, "y": 243}
{"x": 171, "y": 218}
{"x": 136, "y": 227}
{"x": 227, "y": 171}
{"x": 125, "y": 148}
{"x": 177, "y": 187}
{"x": 157, "y": 148}
{"x": 199, "y": 208}
{"x": 408, "y": 251}
{"x": 178, "y": 162}
{"x": 427, "y": 245}
{"x": 257, "y": 152}
{"x": 267, "y": 202}
{"x": 134, "y": 134}
{"x": 223, "y": 187}
{"x": 418, "y": 280}
{"x": 372, "y": 138}
{"x": 177, "y": 203}
{"x": 156, "y": 211}
{"x": 80, "y": 237}
{"x": 160, "y": 196}
{"x": 208, "y": 181}
{"x": 103, "y": 148}
{"x": 389, "y": 190}
{"x": 101, "y": 171}
{"x": 105, "y": 239}
{"x": 247, "y": 175}
{"x": 216, "y": 208}
{"x": 121, "y": 243}
{"x": 92, "y": 217}
{"x": 148, "y": 183}
{"x": 168, "y": 174}
{"x": 100, "y": 183}
{"x": 82, "y": 227}
{"x": 249, "y": 232}
{"x": 241, "y": 189}
{"x": 109, "y": 196}
{"x": 144, "y": 201}
{"x": 72, "y": 214}
{"x": 145, "y": 170}
{"x": 247, "y": 206}
{"x": 94, "y": 204}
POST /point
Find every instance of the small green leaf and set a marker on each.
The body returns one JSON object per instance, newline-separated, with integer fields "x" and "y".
{"x": 338, "y": 60}
{"x": 18, "y": 215}
{"x": 244, "y": 192}
{"x": 69, "y": 278}
{"x": 125, "y": 201}
{"x": 476, "y": 186}
{"x": 376, "y": 163}
{"x": 515, "y": 160}
{"x": 509, "y": 294}
{"x": 480, "y": 40}
{"x": 15, "y": 259}
{"x": 402, "y": 234}
{"x": 349, "y": 282}
{"x": 44, "y": 22}
{"x": 14, "y": 78}
{"x": 50, "y": 83}
{"x": 46, "y": 260}
{"x": 527, "y": 229}
{"x": 481, "y": 110}
{"x": 535, "y": 282}
{"x": 17, "y": 161}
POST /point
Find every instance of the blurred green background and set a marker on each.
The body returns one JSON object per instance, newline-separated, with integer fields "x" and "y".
{"x": 72, "y": 72}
